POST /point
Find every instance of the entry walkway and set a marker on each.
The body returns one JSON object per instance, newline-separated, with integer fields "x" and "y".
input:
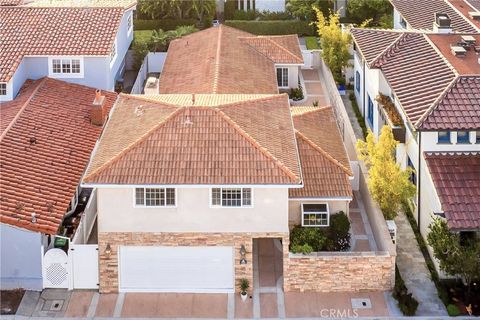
{"x": 314, "y": 90}
{"x": 414, "y": 271}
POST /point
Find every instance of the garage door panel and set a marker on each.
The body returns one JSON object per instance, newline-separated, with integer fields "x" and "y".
{"x": 176, "y": 269}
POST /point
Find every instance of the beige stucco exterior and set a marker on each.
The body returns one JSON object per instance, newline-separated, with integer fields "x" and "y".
{"x": 193, "y": 213}
{"x": 295, "y": 209}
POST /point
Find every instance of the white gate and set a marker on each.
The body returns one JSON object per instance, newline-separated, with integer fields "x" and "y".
{"x": 84, "y": 266}
{"x": 307, "y": 59}
{"x": 55, "y": 269}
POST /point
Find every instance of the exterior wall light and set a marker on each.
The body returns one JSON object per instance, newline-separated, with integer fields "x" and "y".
{"x": 108, "y": 250}
{"x": 243, "y": 252}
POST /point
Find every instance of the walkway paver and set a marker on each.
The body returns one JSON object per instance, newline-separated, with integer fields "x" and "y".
{"x": 362, "y": 238}
{"x": 351, "y": 115}
{"x": 106, "y": 305}
{"x": 414, "y": 271}
{"x": 79, "y": 303}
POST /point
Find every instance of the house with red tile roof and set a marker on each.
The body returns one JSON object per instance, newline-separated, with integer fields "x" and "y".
{"x": 432, "y": 80}
{"x": 47, "y": 135}
{"x": 196, "y": 180}
{"x": 227, "y": 60}
{"x": 444, "y": 16}
{"x": 83, "y": 42}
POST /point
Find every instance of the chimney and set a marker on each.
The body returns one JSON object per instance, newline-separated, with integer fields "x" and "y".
{"x": 98, "y": 112}
{"x": 442, "y": 23}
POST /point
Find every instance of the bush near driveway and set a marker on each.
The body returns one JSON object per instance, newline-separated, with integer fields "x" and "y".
{"x": 274, "y": 27}
{"x": 336, "y": 237}
{"x": 164, "y": 24}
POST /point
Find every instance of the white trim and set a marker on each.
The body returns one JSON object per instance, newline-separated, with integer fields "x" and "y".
{"x": 135, "y": 205}
{"x": 319, "y": 212}
{"x": 130, "y": 16}
{"x": 186, "y": 186}
{"x": 63, "y": 75}
{"x": 276, "y": 75}
{"x": 321, "y": 199}
{"x": 9, "y": 96}
{"x": 231, "y": 207}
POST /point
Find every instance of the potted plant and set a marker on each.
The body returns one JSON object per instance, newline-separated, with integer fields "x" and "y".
{"x": 244, "y": 285}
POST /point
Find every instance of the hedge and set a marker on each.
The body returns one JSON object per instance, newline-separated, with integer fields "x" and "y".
{"x": 164, "y": 24}
{"x": 275, "y": 27}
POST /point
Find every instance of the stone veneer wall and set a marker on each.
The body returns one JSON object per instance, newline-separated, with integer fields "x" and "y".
{"x": 109, "y": 265}
{"x": 336, "y": 272}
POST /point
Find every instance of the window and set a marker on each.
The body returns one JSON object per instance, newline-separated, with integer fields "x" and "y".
{"x": 463, "y": 137}
{"x": 478, "y": 136}
{"x": 403, "y": 23}
{"x": 443, "y": 137}
{"x": 231, "y": 197}
{"x": 282, "y": 77}
{"x": 413, "y": 173}
{"x": 114, "y": 51}
{"x": 357, "y": 81}
{"x": 129, "y": 22}
{"x": 154, "y": 197}
{"x": 370, "y": 112}
{"x": 66, "y": 66}
{"x": 3, "y": 89}
{"x": 315, "y": 215}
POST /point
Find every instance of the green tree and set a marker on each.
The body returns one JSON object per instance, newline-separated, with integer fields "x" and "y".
{"x": 361, "y": 10}
{"x": 456, "y": 256}
{"x": 388, "y": 183}
{"x": 303, "y": 9}
{"x": 204, "y": 11}
{"x": 161, "y": 39}
{"x": 334, "y": 43}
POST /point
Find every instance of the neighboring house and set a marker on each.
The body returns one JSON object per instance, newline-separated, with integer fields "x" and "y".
{"x": 227, "y": 60}
{"x": 45, "y": 144}
{"x": 195, "y": 180}
{"x": 432, "y": 82}
{"x": 462, "y": 16}
{"x": 261, "y": 5}
{"x": 82, "y": 42}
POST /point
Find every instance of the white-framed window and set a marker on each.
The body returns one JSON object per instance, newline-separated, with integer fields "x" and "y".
{"x": 66, "y": 67}
{"x": 315, "y": 215}
{"x": 113, "y": 54}
{"x": 130, "y": 22}
{"x": 231, "y": 197}
{"x": 3, "y": 88}
{"x": 155, "y": 197}
{"x": 282, "y": 77}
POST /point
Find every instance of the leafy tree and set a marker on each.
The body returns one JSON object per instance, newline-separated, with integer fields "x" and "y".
{"x": 177, "y": 9}
{"x": 361, "y": 10}
{"x": 334, "y": 42}
{"x": 303, "y": 9}
{"x": 161, "y": 39}
{"x": 456, "y": 257}
{"x": 388, "y": 183}
{"x": 204, "y": 11}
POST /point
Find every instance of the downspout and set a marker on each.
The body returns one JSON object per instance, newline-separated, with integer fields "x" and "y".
{"x": 419, "y": 175}
{"x": 364, "y": 83}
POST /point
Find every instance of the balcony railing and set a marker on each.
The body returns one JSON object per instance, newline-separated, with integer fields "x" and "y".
{"x": 393, "y": 118}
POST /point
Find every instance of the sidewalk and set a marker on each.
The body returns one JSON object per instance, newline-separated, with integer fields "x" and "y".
{"x": 414, "y": 271}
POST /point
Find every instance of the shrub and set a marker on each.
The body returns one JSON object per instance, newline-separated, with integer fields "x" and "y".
{"x": 296, "y": 94}
{"x": 311, "y": 43}
{"x": 164, "y": 24}
{"x": 245, "y": 15}
{"x": 244, "y": 285}
{"x": 305, "y": 249}
{"x": 358, "y": 114}
{"x": 312, "y": 236}
{"x": 406, "y": 302}
{"x": 302, "y": 28}
{"x": 453, "y": 310}
{"x": 338, "y": 233}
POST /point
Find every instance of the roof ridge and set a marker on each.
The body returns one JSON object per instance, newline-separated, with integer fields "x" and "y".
{"x": 325, "y": 153}
{"x": 257, "y": 145}
{"x": 133, "y": 144}
{"x": 216, "y": 72}
{"x": 24, "y": 106}
{"x": 271, "y": 41}
{"x": 144, "y": 97}
{"x": 235, "y": 103}
{"x": 434, "y": 105}
{"x": 387, "y": 50}
{"x": 283, "y": 48}
{"x": 309, "y": 111}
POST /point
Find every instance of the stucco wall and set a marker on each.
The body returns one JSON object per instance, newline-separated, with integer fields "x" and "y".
{"x": 339, "y": 272}
{"x": 116, "y": 213}
{"x": 21, "y": 258}
{"x": 295, "y": 209}
{"x": 429, "y": 142}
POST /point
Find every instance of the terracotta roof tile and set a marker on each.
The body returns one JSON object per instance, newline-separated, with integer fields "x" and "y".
{"x": 41, "y": 177}
{"x": 279, "y": 49}
{"x": 474, "y": 3}
{"x": 217, "y": 60}
{"x": 420, "y": 14}
{"x": 83, "y": 3}
{"x": 324, "y": 161}
{"x": 458, "y": 108}
{"x": 54, "y": 31}
{"x": 456, "y": 177}
{"x": 244, "y": 142}
{"x": 371, "y": 43}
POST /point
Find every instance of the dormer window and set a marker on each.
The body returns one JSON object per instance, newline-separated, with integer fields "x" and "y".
{"x": 66, "y": 67}
{"x": 443, "y": 137}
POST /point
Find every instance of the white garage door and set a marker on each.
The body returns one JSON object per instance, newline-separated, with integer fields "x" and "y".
{"x": 176, "y": 269}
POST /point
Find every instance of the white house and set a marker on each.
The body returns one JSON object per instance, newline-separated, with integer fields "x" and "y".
{"x": 261, "y": 5}
{"x": 63, "y": 40}
{"x": 429, "y": 84}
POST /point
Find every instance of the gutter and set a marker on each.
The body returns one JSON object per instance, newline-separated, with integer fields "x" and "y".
{"x": 419, "y": 178}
